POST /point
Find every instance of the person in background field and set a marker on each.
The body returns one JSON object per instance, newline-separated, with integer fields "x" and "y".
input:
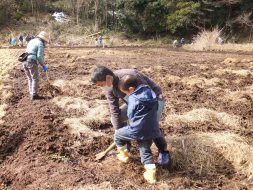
{"x": 96, "y": 42}
{"x": 143, "y": 125}
{"x": 20, "y": 40}
{"x": 108, "y": 80}
{"x": 13, "y": 41}
{"x": 175, "y": 43}
{"x": 100, "y": 40}
{"x": 182, "y": 41}
{"x": 27, "y": 39}
{"x": 35, "y": 49}
{"x": 2, "y": 40}
{"x": 9, "y": 40}
{"x": 32, "y": 37}
{"x": 219, "y": 40}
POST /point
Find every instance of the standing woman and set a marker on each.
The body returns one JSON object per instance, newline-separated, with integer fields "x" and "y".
{"x": 35, "y": 49}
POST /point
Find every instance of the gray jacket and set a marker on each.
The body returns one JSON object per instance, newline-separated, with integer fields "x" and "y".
{"x": 114, "y": 94}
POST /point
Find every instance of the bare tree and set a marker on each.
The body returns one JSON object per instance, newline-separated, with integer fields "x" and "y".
{"x": 79, "y": 4}
{"x": 96, "y": 15}
{"x": 86, "y": 8}
{"x": 32, "y": 5}
{"x": 244, "y": 19}
{"x": 106, "y": 12}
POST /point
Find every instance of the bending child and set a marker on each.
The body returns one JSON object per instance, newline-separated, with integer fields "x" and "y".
{"x": 143, "y": 125}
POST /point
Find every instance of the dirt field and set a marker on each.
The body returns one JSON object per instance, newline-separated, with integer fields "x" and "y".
{"x": 51, "y": 143}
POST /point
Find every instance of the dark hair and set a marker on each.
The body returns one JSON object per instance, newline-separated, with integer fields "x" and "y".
{"x": 99, "y": 74}
{"x": 128, "y": 81}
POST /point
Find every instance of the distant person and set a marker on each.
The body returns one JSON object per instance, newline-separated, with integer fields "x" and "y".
{"x": 182, "y": 41}
{"x": 96, "y": 42}
{"x": 100, "y": 40}
{"x": 219, "y": 40}
{"x": 13, "y": 41}
{"x": 20, "y": 40}
{"x": 27, "y": 39}
{"x": 9, "y": 40}
{"x": 32, "y": 37}
{"x": 175, "y": 43}
{"x": 35, "y": 49}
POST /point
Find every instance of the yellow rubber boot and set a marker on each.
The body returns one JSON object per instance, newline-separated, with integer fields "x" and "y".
{"x": 123, "y": 155}
{"x": 150, "y": 173}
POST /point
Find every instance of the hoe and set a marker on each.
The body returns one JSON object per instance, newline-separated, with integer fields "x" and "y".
{"x": 101, "y": 155}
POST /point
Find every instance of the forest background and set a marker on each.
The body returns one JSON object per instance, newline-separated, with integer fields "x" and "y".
{"x": 134, "y": 18}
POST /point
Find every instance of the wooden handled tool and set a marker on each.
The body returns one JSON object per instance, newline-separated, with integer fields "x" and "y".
{"x": 101, "y": 155}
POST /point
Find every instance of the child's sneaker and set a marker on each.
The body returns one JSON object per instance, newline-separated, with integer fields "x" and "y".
{"x": 164, "y": 158}
{"x": 123, "y": 155}
{"x": 150, "y": 173}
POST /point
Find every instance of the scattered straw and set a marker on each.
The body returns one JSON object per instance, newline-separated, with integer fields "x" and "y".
{"x": 74, "y": 86}
{"x": 203, "y": 115}
{"x": 246, "y": 60}
{"x": 233, "y": 47}
{"x": 97, "y": 112}
{"x": 249, "y": 89}
{"x": 94, "y": 114}
{"x": 234, "y": 96}
{"x": 239, "y": 100}
{"x": 200, "y": 66}
{"x": 172, "y": 78}
{"x": 200, "y": 81}
{"x": 240, "y": 72}
{"x": 193, "y": 80}
{"x": 104, "y": 185}
{"x": 217, "y": 91}
{"x": 77, "y": 127}
{"x": 7, "y": 63}
{"x": 70, "y": 103}
{"x": 230, "y": 60}
{"x": 2, "y": 112}
{"x": 147, "y": 70}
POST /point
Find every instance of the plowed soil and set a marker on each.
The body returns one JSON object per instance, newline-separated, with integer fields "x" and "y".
{"x": 39, "y": 151}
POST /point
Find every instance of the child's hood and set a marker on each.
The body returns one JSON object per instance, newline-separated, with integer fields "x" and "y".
{"x": 145, "y": 94}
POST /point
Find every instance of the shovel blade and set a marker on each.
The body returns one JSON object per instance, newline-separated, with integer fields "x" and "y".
{"x": 100, "y": 155}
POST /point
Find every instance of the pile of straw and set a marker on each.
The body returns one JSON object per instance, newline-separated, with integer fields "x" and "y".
{"x": 85, "y": 116}
{"x": 205, "y": 40}
{"x": 203, "y": 116}
{"x": 212, "y": 153}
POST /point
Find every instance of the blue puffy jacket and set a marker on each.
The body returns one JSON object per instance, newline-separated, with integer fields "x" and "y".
{"x": 142, "y": 114}
{"x": 36, "y": 48}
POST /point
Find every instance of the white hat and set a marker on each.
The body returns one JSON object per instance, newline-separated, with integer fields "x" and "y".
{"x": 44, "y": 36}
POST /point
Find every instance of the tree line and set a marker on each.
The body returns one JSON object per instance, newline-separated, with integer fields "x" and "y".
{"x": 142, "y": 16}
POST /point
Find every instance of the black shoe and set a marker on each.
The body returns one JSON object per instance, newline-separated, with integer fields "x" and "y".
{"x": 36, "y": 97}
